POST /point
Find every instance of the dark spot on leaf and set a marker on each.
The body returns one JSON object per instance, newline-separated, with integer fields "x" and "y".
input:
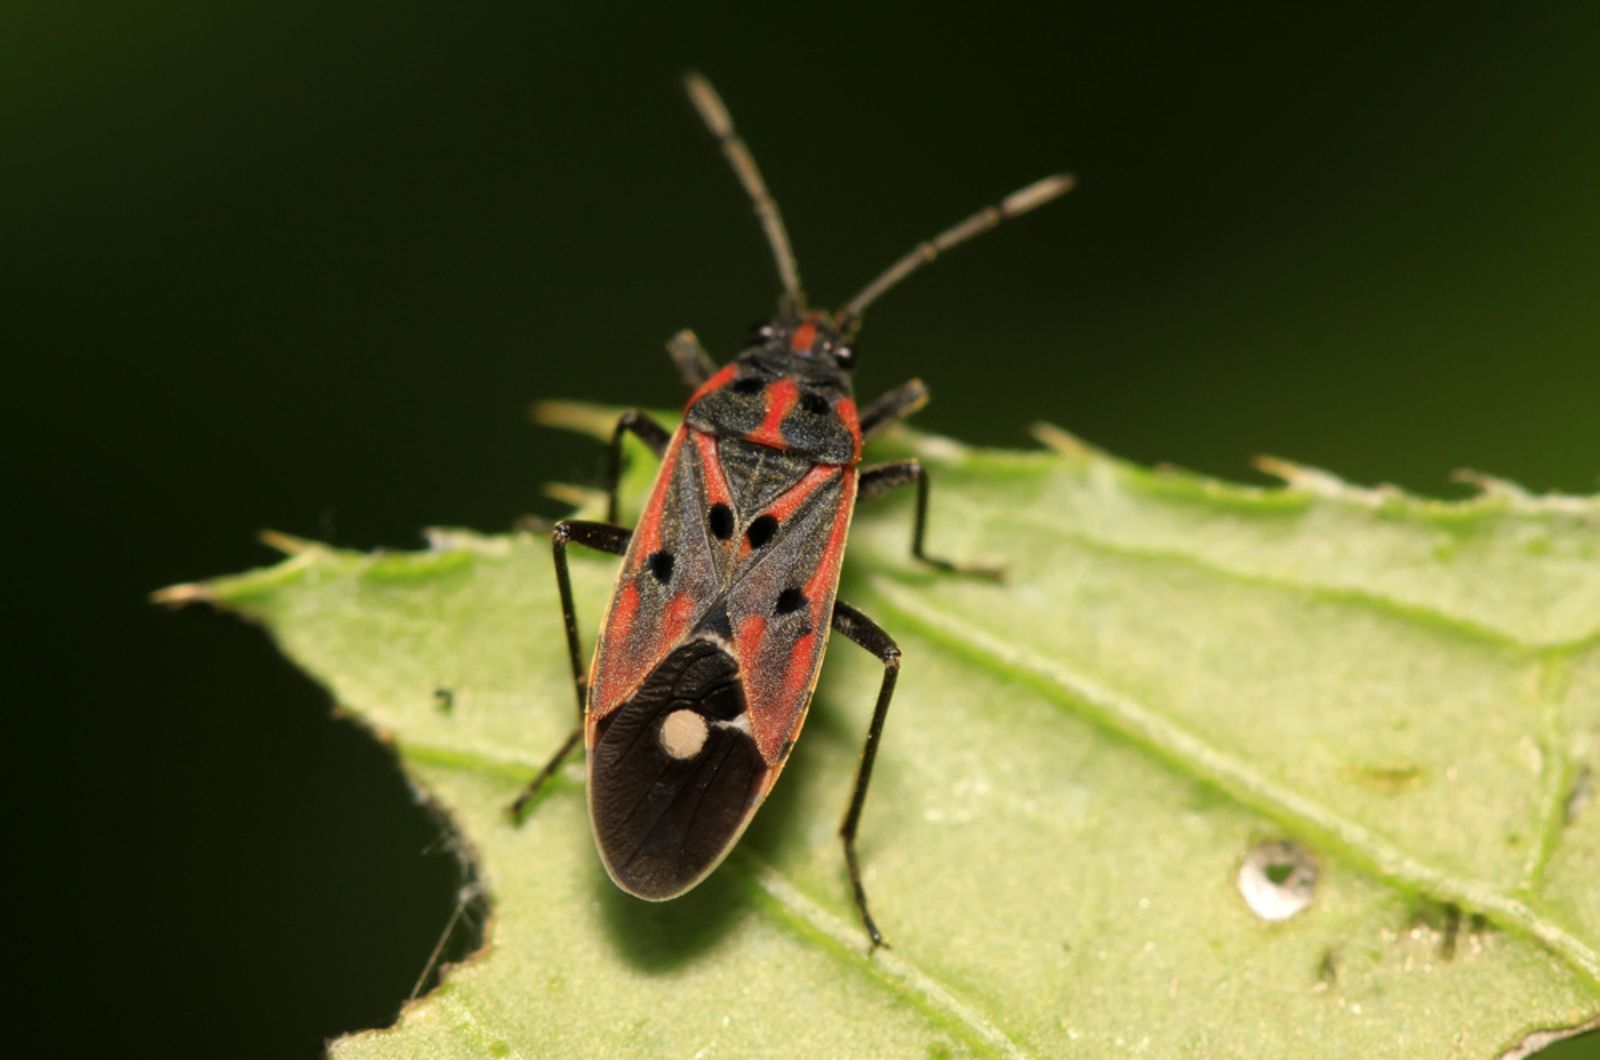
{"x": 789, "y": 601}
{"x": 660, "y": 564}
{"x": 761, "y": 531}
{"x": 721, "y": 520}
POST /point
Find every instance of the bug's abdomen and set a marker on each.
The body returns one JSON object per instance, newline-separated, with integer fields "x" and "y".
{"x": 674, "y": 775}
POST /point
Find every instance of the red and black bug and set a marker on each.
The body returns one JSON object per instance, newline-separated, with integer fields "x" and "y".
{"x": 711, "y": 646}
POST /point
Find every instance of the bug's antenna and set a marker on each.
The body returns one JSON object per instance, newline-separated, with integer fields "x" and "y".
{"x": 1018, "y": 202}
{"x": 715, "y": 115}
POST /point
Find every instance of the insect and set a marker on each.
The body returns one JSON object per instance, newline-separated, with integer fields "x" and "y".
{"x": 709, "y": 651}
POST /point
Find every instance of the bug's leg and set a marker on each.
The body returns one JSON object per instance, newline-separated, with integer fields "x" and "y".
{"x": 694, "y": 364}
{"x": 867, "y": 633}
{"x": 896, "y": 405}
{"x": 602, "y": 537}
{"x": 878, "y": 480}
{"x": 648, "y": 431}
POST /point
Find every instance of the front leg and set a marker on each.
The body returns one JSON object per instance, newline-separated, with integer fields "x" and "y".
{"x": 892, "y": 407}
{"x": 693, "y": 362}
{"x": 876, "y": 481}
{"x": 867, "y": 633}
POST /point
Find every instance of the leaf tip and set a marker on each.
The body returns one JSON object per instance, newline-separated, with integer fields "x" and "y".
{"x": 184, "y": 594}
{"x": 577, "y": 416}
{"x": 573, "y": 495}
{"x": 1061, "y": 440}
{"x": 288, "y": 544}
{"x": 1314, "y": 480}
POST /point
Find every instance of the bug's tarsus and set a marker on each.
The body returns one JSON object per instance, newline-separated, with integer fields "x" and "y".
{"x": 876, "y": 481}
{"x": 694, "y": 364}
{"x": 640, "y": 424}
{"x": 869, "y": 635}
{"x": 715, "y": 114}
{"x": 519, "y": 805}
{"x": 893, "y": 406}
{"x": 1018, "y": 202}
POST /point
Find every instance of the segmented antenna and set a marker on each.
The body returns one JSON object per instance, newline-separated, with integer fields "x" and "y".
{"x": 1018, "y": 202}
{"x": 715, "y": 115}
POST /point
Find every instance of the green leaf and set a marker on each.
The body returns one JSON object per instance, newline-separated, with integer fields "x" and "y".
{"x": 1394, "y": 702}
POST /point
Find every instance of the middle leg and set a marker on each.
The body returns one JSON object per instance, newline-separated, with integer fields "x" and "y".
{"x": 876, "y": 481}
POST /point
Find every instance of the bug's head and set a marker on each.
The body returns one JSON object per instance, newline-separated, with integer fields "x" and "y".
{"x": 814, "y": 337}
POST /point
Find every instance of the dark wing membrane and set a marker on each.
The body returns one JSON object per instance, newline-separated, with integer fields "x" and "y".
{"x": 668, "y": 578}
{"x": 674, "y": 775}
{"x": 781, "y": 599}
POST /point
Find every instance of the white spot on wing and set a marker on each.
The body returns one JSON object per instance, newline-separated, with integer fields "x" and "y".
{"x": 683, "y": 734}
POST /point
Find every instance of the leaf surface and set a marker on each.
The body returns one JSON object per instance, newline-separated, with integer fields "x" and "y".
{"x": 1176, "y": 672}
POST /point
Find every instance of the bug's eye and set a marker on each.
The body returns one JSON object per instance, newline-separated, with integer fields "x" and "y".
{"x": 844, "y": 356}
{"x": 758, "y": 334}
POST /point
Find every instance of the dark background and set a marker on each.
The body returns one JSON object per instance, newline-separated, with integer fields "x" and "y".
{"x": 303, "y": 266}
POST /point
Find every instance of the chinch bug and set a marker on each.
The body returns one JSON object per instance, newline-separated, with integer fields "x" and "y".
{"x": 711, "y": 645}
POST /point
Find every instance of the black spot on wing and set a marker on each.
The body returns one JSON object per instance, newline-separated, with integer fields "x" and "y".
{"x": 720, "y": 519}
{"x": 662, "y": 823}
{"x": 789, "y": 601}
{"x": 660, "y": 563}
{"x": 761, "y": 530}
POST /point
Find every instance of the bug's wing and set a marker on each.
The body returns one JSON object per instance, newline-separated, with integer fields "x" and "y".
{"x": 781, "y": 600}
{"x": 674, "y": 776}
{"x": 679, "y": 764}
{"x": 668, "y": 579}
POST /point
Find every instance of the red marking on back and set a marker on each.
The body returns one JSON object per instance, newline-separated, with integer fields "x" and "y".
{"x": 622, "y": 667}
{"x": 675, "y": 620}
{"x": 720, "y": 379}
{"x": 748, "y": 637}
{"x": 716, "y": 484}
{"x": 797, "y": 494}
{"x": 803, "y": 337}
{"x": 797, "y": 678}
{"x": 781, "y": 397}
{"x": 826, "y": 576}
{"x": 649, "y": 529}
{"x": 846, "y": 410}
{"x": 620, "y": 624}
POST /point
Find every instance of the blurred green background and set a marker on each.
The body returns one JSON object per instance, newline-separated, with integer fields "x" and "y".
{"x": 304, "y": 266}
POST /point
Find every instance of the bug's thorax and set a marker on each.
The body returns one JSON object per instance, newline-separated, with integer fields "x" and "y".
{"x": 790, "y": 390}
